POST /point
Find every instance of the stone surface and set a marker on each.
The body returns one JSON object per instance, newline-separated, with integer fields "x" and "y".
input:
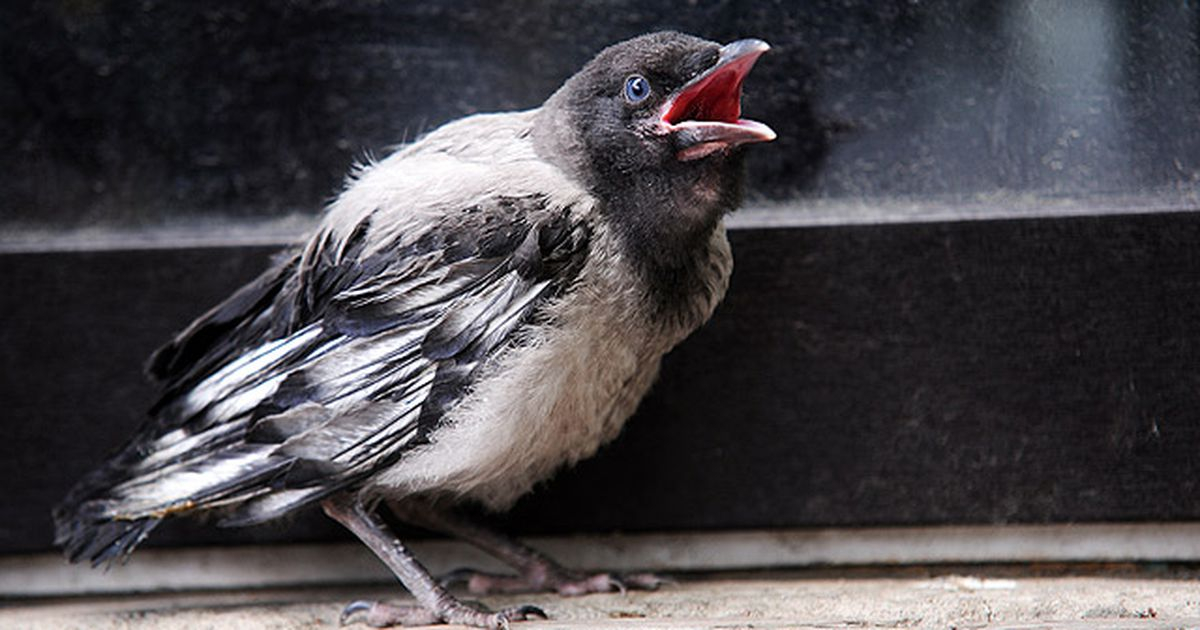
{"x": 1058, "y": 597}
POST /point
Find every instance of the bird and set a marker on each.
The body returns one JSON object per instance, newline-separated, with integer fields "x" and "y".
{"x": 482, "y": 307}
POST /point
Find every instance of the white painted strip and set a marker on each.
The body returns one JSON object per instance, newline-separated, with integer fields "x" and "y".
{"x": 181, "y": 232}
{"x": 291, "y": 229}
{"x": 292, "y": 565}
{"x": 998, "y": 206}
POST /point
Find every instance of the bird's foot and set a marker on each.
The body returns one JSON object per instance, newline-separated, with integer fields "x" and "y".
{"x": 561, "y": 581}
{"x": 382, "y": 615}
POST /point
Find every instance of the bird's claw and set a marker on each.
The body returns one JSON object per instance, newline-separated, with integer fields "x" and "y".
{"x": 356, "y": 606}
{"x": 528, "y": 611}
{"x": 501, "y": 619}
{"x": 615, "y": 582}
{"x": 383, "y": 615}
{"x": 380, "y": 615}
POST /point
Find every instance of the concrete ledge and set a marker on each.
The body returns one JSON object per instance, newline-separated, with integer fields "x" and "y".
{"x": 1012, "y": 597}
{"x": 151, "y": 570}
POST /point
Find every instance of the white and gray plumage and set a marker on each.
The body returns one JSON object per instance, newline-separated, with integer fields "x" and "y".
{"x": 475, "y": 311}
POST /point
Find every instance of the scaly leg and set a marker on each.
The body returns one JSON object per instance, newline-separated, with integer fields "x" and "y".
{"x": 436, "y": 605}
{"x": 537, "y": 572}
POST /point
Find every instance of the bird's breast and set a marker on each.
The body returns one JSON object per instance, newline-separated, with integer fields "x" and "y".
{"x": 563, "y": 389}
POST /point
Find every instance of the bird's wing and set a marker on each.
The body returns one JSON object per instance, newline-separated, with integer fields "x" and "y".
{"x": 331, "y": 364}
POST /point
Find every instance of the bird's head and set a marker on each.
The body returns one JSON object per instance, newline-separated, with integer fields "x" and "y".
{"x": 657, "y": 114}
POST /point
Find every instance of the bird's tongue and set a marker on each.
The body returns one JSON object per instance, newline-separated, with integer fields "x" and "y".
{"x": 705, "y": 116}
{"x": 716, "y": 97}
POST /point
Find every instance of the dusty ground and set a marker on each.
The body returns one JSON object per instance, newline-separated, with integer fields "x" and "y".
{"x": 1059, "y": 597}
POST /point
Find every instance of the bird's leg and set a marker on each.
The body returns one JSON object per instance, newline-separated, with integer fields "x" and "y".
{"x": 536, "y": 571}
{"x": 436, "y": 605}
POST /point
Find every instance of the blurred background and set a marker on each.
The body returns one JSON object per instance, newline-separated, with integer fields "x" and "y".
{"x": 150, "y": 113}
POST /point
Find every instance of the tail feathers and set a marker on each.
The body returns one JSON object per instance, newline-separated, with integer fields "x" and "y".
{"x": 83, "y": 531}
{"x": 112, "y": 510}
{"x": 101, "y": 542}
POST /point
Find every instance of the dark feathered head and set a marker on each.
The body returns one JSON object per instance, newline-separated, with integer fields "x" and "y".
{"x": 657, "y": 116}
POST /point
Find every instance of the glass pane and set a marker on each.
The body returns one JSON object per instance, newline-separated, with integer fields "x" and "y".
{"x": 169, "y": 115}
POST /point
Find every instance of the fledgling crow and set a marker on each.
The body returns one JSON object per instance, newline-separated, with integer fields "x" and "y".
{"x": 473, "y": 312}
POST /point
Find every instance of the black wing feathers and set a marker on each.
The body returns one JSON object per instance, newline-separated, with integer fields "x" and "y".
{"x": 221, "y": 333}
{"x": 327, "y": 368}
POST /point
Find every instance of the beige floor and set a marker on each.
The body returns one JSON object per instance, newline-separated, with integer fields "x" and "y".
{"x": 1062, "y": 597}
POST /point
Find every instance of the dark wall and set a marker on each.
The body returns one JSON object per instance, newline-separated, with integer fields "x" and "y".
{"x": 1038, "y": 370}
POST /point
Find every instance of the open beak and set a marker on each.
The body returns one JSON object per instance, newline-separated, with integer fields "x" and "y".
{"x": 704, "y": 116}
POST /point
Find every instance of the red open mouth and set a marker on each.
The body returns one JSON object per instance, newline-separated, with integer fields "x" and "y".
{"x": 705, "y": 116}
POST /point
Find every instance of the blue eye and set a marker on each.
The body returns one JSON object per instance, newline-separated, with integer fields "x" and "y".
{"x": 637, "y": 88}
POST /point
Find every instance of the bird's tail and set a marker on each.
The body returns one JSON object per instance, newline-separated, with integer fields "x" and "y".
{"x": 85, "y": 532}
{"x": 102, "y": 541}
{"x": 113, "y": 509}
